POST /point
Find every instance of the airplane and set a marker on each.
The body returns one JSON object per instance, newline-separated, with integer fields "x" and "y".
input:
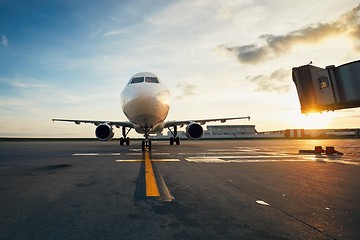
{"x": 145, "y": 103}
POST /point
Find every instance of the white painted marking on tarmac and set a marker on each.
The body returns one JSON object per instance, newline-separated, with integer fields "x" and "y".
{"x": 129, "y": 160}
{"x": 223, "y": 150}
{"x": 153, "y": 154}
{"x": 254, "y": 156}
{"x": 239, "y": 160}
{"x": 198, "y": 153}
{"x": 96, "y": 154}
{"x": 153, "y": 160}
{"x": 205, "y": 160}
{"x": 215, "y": 158}
{"x": 134, "y": 154}
{"x": 166, "y": 160}
{"x": 247, "y": 158}
{"x": 237, "y": 150}
{"x": 160, "y": 153}
{"x": 135, "y": 149}
{"x": 248, "y": 148}
{"x": 262, "y": 203}
{"x": 331, "y": 160}
{"x": 224, "y": 153}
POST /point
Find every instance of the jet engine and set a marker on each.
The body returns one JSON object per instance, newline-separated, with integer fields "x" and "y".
{"x": 194, "y": 131}
{"x": 104, "y": 132}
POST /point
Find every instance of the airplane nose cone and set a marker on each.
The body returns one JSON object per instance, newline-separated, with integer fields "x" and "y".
{"x": 146, "y": 108}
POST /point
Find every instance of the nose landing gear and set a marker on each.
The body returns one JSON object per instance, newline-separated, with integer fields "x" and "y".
{"x": 146, "y": 144}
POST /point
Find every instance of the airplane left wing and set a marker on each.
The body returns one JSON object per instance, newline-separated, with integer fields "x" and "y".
{"x": 200, "y": 121}
{"x": 96, "y": 122}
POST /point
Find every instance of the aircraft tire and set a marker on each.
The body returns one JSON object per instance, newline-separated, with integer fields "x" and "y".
{"x": 122, "y": 141}
{"x": 143, "y": 146}
{"x": 127, "y": 140}
{"x": 177, "y": 140}
{"x": 171, "y": 141}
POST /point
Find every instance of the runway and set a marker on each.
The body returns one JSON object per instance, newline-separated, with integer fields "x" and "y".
{"x": 244, "y": 189}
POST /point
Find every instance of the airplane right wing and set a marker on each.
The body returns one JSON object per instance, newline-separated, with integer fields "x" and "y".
{"x": 201, "y": 121}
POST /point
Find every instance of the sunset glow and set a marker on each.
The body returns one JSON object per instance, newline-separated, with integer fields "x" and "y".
{"x": 313, "y": 120}
{"x": 71, "y": 59}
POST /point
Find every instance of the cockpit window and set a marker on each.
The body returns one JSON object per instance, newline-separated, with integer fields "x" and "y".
{"x": 137, "y": 80}
{"x": 151, "y": 80}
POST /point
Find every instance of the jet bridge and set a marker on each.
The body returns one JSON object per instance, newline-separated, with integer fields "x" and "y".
{"x": 332, "y": 88}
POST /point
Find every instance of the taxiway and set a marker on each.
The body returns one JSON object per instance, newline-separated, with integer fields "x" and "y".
{"x": 247, "y": 189}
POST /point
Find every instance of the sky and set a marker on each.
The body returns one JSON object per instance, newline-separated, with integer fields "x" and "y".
{"x": 71, "y": 59}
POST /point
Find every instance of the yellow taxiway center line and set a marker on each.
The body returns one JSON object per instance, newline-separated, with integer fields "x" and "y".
{"x": 151, "y": 186}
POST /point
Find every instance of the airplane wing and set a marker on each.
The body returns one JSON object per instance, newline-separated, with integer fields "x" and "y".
{"x": 96, "y": 122}
{"x": 201, "y": 121}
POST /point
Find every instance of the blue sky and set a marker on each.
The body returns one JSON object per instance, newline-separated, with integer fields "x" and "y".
{"x": 71, "y": 59}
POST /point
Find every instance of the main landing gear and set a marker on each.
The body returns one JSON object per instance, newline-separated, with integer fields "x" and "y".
{"x": 174, "y": 138}
{"x": 125, "y": 139}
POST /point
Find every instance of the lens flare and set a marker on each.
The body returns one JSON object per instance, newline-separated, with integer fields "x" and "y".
{"x": 313, "y": 120}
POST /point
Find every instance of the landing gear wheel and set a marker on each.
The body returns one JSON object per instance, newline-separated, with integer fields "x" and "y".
{"x": 174, "y": 138}
{"x": 124, "y": 139}
{"x": 144, "y": 144}
{"x": 172, "y": 141}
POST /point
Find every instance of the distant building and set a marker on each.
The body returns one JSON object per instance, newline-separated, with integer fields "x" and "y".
{"x": 328, "y": 133}
{"x": 249, "y": 131}
{"x": 221, "y": 131}
{"x": 230, "y": 131}
{"x": 311, "y": 133}
{"x": 271, "y": 134}
{"x": 294, "y": 133}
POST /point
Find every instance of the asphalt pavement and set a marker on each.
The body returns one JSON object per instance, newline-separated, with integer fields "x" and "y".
{"x": 243, "y": 189}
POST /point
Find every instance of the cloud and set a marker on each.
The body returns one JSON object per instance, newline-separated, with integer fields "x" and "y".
{"x": 276, "y": 45}
{"x": 251, "y": 54}
{"x": 186, "y": 89}
{"x": 277, "y": 81}
{"x": 4, "y": 41}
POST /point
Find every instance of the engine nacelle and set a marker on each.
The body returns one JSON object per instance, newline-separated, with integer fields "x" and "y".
{"x": 194, "y": 131}
{"x": 104, "y": 132}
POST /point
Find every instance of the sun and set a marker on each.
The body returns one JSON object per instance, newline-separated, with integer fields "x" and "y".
{"x": 312, "y": 120}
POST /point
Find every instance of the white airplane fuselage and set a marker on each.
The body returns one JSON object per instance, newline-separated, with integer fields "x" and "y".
{"x": 145, "y": 102}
